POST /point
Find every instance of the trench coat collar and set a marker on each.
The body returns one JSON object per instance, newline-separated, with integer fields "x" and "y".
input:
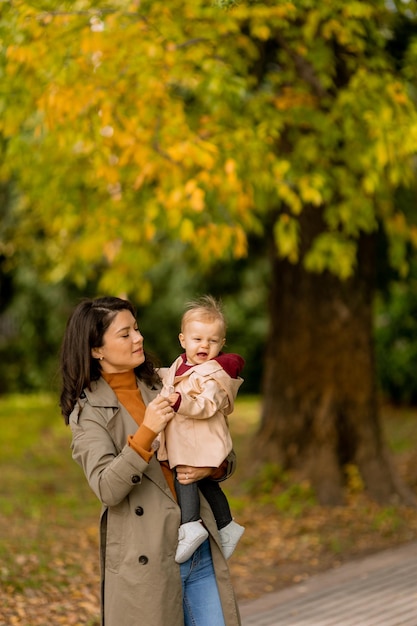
{"x": 102, "y": 395}
{"x": 204, "y": 369}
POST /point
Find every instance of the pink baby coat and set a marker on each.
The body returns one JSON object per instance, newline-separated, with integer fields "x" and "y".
{"x": 198, "y": 435}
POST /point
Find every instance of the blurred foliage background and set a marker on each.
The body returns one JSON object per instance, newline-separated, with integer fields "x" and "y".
{"x": 33, "y": 317}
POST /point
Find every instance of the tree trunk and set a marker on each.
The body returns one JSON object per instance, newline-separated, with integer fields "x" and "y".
{"x": 320, "y": 403}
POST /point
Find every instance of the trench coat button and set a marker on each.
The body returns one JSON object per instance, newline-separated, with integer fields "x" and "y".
{"x": 135, "y": 479}
{"x": 139, "y": 510}
{"x": 143, "y": 559}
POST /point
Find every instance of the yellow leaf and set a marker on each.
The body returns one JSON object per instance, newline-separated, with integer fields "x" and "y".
{"x": 240, "y": 247}
{"x": 261, "y": 31}
{"x": 187, "y": 231}
{"x": 286, "y": 233}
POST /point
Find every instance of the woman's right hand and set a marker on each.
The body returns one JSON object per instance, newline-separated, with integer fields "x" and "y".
{"x": 158, "y": 413}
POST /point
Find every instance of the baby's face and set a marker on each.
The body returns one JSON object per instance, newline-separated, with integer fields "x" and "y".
{"x": 202, "y": 341}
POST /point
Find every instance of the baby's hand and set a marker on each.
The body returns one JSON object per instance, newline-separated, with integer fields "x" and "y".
{"x": 173, "y": 398}
{"x": 170, "y": 395}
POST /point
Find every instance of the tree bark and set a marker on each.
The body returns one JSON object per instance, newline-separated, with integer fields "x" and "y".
{"x": 320, "y": 409}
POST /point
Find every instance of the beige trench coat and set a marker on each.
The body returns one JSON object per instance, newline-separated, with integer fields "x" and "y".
{"x": 139, "y": 521}
{"x": 199, "y": 434}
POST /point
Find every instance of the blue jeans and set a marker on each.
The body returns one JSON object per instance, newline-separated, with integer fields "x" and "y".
{"x": 201, "y": 600}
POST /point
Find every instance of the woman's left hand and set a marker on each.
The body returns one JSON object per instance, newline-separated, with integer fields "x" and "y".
{"x": 186, "y": 474}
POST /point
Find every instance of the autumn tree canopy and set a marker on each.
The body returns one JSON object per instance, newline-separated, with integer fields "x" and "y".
{"x": 128, "y": 124}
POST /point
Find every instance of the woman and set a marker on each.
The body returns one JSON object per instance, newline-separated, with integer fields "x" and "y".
{"x": 110, "y": 398}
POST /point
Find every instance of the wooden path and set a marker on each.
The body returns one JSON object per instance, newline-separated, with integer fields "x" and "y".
{"x": 380, "y": 590}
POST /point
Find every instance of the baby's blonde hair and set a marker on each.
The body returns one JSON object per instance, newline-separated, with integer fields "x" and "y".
{"x": 204, "y": 309}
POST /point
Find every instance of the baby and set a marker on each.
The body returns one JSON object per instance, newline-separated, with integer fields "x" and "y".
{"x": 202, "y": 385}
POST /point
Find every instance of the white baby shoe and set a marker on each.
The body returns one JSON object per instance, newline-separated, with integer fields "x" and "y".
{"x": 229, "y": 537}
{"x": 190, "y": 536}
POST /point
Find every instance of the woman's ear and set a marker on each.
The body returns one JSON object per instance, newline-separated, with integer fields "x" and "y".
{"x": 96, "y": 353}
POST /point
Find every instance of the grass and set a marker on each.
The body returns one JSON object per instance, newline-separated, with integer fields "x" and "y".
{"x": 400, "y": 426}
{"x": 48, "y": 520}
{"x": 42, "y": 494}
{"x": 39, "y": 479}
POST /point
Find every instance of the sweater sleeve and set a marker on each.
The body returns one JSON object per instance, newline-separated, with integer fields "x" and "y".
{"x": 141, "y": 442}
{"x": 231, "y": 363}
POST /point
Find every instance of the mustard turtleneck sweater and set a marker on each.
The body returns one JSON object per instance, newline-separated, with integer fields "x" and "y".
{"x": 125, "y": 387}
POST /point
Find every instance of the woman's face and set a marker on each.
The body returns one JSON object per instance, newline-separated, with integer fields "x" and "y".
{"x": 122, "y": 348}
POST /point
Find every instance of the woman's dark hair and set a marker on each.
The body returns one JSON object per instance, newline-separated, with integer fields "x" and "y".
{"x": 85, "y": 330}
